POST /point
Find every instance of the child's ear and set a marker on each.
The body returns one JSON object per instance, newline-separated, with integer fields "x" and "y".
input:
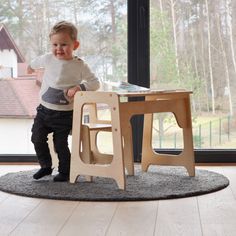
{"x": 76, "y": 44}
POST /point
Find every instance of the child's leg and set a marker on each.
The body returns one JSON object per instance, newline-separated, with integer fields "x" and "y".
{"x": 61, "y": 147}
{"x": 39, "y": 139}
{"x": 61, "y": 129}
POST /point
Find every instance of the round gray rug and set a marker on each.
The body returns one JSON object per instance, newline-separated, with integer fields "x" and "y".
{"x": 160, "y": 182}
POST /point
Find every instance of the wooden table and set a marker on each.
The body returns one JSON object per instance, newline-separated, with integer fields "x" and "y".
{"x": 177, "y": 102}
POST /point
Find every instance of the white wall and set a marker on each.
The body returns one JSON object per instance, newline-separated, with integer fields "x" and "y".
{"x": 15, "y": 135}
{"x": 9, "y": 59}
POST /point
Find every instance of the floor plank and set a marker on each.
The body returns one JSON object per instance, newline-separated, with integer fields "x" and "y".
{"x": 90, "y": 218}
{"x": 218, "y": 213}
{"x": 47, "y": 219}
{"x": 134, "y": 218}
{"x": 3, "y": 196}
{"x": 13, "y": 211}
{"x": 4, "y": 169}
{"x": 227, "y": 171}
{"x": 230, "y": 173}
{"x": 178, "y": 217}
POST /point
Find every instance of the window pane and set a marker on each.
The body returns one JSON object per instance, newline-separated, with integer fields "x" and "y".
{"x": 192, "y": 47}
{"x": 102, "y": 31}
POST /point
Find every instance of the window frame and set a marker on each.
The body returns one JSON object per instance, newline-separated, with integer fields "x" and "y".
{"x": 138, "y": 14}
{"x": 139, "y": 74}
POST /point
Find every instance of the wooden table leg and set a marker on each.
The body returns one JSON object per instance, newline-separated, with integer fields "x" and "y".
{"x": 128, "y": 147}
{"x": 180, "y": 107}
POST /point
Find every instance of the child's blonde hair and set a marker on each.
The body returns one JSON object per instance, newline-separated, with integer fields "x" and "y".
{"x": 64, "y": 26}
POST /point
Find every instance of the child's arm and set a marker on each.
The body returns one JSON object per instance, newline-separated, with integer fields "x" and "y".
{"x": 72, "y": 91}
{"x": 38, "y": 63}
{"x": 30, "y": 70}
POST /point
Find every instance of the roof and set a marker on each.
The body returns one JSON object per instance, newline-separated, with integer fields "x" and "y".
{"x": 18, "y": 98}
{"x": 7, "y": 42}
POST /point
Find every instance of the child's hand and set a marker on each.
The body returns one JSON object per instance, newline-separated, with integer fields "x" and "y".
{"x": 30, "y": 70}
{"x": 72, "y": 91}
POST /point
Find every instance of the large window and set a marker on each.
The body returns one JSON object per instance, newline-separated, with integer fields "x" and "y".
{"x": 102, "y": 31}
{"x": 192, "y": 46}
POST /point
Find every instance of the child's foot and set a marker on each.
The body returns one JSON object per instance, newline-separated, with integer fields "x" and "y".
{"x": 61, "y": 178}
{"x": 42, "y": 172}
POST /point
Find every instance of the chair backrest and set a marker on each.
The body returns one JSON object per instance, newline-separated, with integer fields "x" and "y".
{"x": 92, "y": 111}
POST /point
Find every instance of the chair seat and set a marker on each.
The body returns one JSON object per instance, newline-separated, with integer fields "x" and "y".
{"x": 90, "y": 127}
{"x": 97, "y": 126}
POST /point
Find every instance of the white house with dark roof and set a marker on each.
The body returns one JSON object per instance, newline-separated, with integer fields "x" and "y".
{"x": 18, "y": 98}
{"x": 18, "y": 102}
{"x": 10, "y": 55}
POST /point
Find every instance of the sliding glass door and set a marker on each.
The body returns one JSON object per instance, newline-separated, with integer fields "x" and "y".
{"x": 192, "y": 46}
{"x": 102, "y": 31}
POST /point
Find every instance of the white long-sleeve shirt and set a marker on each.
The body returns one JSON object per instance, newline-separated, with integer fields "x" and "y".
{"x": 59, "y": 76}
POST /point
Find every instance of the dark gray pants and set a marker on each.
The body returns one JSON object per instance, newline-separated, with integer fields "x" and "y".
{"x": 60, "y": 124}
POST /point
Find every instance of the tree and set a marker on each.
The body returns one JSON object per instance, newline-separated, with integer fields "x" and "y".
{"x": 173, "y": 3}
{"x": 101, "y": 24}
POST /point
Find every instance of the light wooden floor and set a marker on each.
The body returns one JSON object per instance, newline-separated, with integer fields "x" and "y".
{"x": 212, "y": 214}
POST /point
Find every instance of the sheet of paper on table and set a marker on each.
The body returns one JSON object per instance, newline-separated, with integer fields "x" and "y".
{"x": 121, "y": 86}
{"x": 125, "y": 87}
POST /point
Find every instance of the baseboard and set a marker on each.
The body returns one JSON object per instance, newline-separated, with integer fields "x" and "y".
{"x": 201, "y": 156}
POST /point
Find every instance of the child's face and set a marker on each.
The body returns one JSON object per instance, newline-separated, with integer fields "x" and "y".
{"x": 63, "y": 46}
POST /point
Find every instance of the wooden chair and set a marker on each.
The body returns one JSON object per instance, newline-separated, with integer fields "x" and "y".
{"x": 90, "y": 152}
{"x": 89, "y": 148}
{"x": 90, "y": 130}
